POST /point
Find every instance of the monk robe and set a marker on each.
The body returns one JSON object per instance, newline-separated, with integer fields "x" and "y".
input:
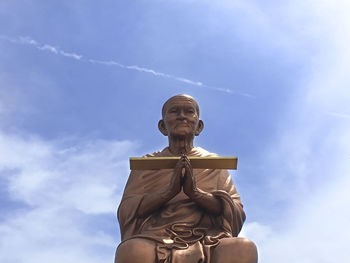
{"x": 180, "y": 228}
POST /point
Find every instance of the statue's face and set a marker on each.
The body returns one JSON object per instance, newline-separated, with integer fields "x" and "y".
{"x": 181, "y": 117}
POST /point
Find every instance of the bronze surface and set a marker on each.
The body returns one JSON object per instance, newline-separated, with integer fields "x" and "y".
{"x": 180, "y": 204}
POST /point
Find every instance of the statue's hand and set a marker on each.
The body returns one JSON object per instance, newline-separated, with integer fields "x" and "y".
{"x": 175, "y": 182}
{"x": 189, "y": 184}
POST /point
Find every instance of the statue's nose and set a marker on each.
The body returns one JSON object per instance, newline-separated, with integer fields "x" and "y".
{"x": 181, "y": 115}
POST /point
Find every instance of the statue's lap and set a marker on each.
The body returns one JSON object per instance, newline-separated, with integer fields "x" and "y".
{"x": 230, "y": 250}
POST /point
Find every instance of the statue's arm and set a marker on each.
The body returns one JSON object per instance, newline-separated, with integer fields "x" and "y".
{"x": 207, "y": 201}
{"x": 204, "y": 199}
{"x": 153, "y": 201}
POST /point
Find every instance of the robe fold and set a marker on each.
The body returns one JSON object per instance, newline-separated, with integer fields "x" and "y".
{"x": 180, "y": 228}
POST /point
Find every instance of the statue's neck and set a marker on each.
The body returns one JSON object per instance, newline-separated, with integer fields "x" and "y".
{"x": 180, "y": 146}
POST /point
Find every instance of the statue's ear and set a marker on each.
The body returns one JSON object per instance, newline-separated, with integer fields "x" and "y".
{"x": 199, "y": 127}
{"x": 162, "y": 128}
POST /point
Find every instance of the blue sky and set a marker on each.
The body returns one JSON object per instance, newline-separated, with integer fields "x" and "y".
{"x": 81, "y": 89}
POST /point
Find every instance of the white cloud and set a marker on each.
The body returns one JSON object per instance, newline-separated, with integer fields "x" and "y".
{"x": 256, "y": 232}
{"x": 51, "y": 235}
{"x": 87, "y": 174}
{"x": 316, "y": 229}
{"x": 309, "y": 165}
{"x": 60, "y": 188}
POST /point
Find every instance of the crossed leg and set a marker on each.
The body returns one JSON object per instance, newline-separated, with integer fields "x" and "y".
{"x": 137, "y": 250}
{"x": 235, "y": 250}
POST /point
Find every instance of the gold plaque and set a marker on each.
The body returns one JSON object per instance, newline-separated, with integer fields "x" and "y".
{"x": 156, "y": 163}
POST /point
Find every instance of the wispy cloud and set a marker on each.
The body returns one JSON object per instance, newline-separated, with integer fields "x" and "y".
{"x": 57, "y": 51}
{"x": 339, "y": 115}
{"x": 151, "y": 71}
{"x": 45, "y": 47}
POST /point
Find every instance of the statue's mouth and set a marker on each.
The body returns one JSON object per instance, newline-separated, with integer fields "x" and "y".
{"x": 182, "y": 124}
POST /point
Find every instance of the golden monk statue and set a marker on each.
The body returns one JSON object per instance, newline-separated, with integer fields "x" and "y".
{"x": 182, "y": 215}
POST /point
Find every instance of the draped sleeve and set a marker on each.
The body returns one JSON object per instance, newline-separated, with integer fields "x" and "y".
{"x": 233, "y": 215}
{"x": 129, "y": 205}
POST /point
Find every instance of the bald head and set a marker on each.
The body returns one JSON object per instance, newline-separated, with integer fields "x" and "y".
{"x": 185, "y": 97}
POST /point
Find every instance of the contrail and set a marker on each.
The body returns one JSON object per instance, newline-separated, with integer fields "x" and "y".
{"x": 45, "y": 47}
{"x": 57, "y": 51}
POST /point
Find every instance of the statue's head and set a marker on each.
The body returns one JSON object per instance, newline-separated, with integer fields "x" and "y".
{"x": 180, "y": 117}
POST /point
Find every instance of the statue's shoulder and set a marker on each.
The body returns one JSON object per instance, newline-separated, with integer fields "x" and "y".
{"x": 198, "y": 151}
{"x": 162, "y": 153}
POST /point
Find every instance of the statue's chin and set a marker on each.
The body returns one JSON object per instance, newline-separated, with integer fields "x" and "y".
{"x": 181, "y": 136}
{"x": 182, "y": 132}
